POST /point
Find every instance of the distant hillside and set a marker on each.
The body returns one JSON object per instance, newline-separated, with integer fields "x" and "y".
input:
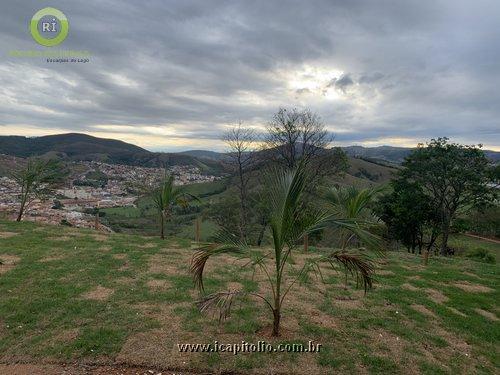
{"x": 82, "y": 147}
{"x": 204, "y": 154}
{"x": 396, "y": 154}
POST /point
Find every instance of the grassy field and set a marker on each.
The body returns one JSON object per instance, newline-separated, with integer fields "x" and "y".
{"x": 71, "y": 295}
{"x": 143, "y": 218}
{"x": 463, "y": 243}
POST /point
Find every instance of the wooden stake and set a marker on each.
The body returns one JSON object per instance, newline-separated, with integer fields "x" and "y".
{"x": 426, "y": 257}
{"x": 97, "y": 217}
{"x": 306, "y": 242}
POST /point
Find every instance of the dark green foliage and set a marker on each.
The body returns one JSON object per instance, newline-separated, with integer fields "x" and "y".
{"x": 408, "y": 215}
{"x": 57, "y": 205}
{"x": 438, "y": 181}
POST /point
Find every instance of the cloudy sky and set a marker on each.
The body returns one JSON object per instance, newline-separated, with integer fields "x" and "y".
{"x": 172, "y": 75}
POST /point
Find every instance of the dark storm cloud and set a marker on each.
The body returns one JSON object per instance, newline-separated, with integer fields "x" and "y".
{"x": 341, "y": 83}
{"x": 400, "y": 70}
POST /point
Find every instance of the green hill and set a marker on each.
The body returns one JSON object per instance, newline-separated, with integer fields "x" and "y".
{"x": 396, "y": 154}
{"x": 82, "y": 147}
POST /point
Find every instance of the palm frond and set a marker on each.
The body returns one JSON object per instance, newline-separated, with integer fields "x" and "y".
{"x": 221, "y": 301}
{"x": 227, "y": 243}
{"x": 361, "y": 228}
{"x": 358, "y": 265}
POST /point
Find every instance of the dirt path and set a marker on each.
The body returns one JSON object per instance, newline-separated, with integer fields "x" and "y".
{"x": 482, "y": 238}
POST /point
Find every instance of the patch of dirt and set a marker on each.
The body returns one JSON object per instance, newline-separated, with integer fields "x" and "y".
{"x": 99, "y": 294}
{"x": 424, "y": 310}
{"x": 414, "y": 267}
{"x": 158, "y": 284}
{"x": 472, "y": 288}
{"x": 60, "y": 238}
{"x": 286, "y": 333}
{"x": 437, "y": 296}
{"x": 321, "y": 319}
{"x": 160, "y": 263}
{"x": 8, "y": 234}
{"x": 348, "y": 303}
{"x": 120, "y": 256}
{"x": 158, "y": 347}
{"x": 100, "y": 237}
{"x": 233, "y": 285}
{"x": 393, "y": 342}
{"x": 105, "y": 248}
{"x": 148, "y": 245}
{"x": 416, "y": 277}
{"x": 456, "y": 343}
{"x": 124, "y": 280}
{"x": 458, "y": 312}
{"x": 408, "y": 286}
{"x": 384, "y": 272}
{"x": 8, "y": 262}
{"x": 66, "y": 336}
{"x": 124, "y": 267}
{"x": 487, "y": 314}
{"x": 52, "y": 258}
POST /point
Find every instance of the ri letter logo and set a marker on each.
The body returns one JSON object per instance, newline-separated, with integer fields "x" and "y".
{"x": 49, "y": 27}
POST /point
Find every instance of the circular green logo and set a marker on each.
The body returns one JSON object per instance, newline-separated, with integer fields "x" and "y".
{"x": 49, "y": 27}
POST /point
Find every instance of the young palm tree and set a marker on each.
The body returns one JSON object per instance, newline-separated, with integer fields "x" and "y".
{"x": 166, "y": 197}
{"x": 290, "y": 220}
{"x": 349, "y": 202}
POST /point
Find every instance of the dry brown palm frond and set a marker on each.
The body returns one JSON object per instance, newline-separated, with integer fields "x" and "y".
{"x": 201, "y": 256}
{"x": 222, "y": 301}
{"x": 356, "y": 264}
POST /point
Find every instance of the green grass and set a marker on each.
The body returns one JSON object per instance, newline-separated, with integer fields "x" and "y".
{"x": 143, "y": 218}
{"x": 464, "y": 243}
{"x": 45, "y": 312}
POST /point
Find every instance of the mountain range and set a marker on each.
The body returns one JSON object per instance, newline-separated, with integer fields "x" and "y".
{"x": 82, "y": 147}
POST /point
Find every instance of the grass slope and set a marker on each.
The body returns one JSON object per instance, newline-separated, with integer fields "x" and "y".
{"x": 77, "y": 295}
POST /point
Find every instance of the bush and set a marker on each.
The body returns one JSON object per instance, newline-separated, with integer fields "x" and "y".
{"x": 66, "y": 223}
{"x": 57, "y": 205}
{"x": 481, "y": 255}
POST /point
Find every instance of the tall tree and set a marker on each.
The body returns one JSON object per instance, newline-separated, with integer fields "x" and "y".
{"x": 240, "y": 142}
{"x": 294, "y": 136}
{"x": 165, "y": 197}
{"x": 453, "y": 177}
{"x": 290, "y": 221}
{"x": 409, "y": 217}
{"x": 37, "y": 180}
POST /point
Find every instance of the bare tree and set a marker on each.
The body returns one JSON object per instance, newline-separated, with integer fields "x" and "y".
{"x": 295, "y": 135}
{"x": 240, "y": 141}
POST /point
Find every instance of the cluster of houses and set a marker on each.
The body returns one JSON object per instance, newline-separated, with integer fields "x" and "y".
{"x": 75, "y": 202}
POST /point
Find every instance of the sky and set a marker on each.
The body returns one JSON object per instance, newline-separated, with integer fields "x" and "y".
{"x": 175, "y": 75}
